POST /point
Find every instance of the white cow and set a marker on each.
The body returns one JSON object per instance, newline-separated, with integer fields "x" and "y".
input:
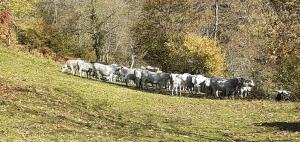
{"x": 184, "y": 80}
{"x": 106, "y": 71}
{"x": 71, "y": 65}
{"x": 198, "y": 80}
{"x": 176, "y": 82}
{"x": 85, "y": 68}
{"x": 247, "y": 87}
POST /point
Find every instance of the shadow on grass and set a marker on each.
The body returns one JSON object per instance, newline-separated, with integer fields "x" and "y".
{"x": 97, "y": 118}
{"x": 283, "y": 126}
{"x": 151, "y": 89}
{"x": 162, "y": 91}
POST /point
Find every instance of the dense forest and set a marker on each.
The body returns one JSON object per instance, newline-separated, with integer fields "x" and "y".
{"x": 257, "y": 39}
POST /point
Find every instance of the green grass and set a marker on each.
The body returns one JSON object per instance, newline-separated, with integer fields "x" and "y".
{"x": 39, "y": 103}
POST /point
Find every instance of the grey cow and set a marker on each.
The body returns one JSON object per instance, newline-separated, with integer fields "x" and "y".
{"x": 228, "y": 87}
{"x": 127, "y": 74}
{"x": 158, "y": 78}
{"x": 106, "y": 71}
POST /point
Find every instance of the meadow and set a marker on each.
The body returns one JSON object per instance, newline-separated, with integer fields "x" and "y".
{"x": 39, "y": 103}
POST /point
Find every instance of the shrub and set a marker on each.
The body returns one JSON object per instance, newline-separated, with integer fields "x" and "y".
{"x": 204, "y": 55}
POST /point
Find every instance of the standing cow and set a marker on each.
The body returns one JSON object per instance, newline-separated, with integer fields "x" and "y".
{"x": 126, "y": 74}
{"x": 85, "y": 68}
{"x": 228, "y": 87}
{"x": 105, "y": 71}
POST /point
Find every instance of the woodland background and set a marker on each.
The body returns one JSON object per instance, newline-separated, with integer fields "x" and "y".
{"x": 255, "y": 39}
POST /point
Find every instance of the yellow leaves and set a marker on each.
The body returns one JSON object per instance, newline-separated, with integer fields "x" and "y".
{"x": 204, "y": 50}
{"x": 21, "y": 8}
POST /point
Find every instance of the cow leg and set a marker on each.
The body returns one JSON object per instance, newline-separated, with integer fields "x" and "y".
{"x": 80, "y": 72}
{"x": 98, "y": 75}
{"x": 72, "y": 70}
{"x": 172, "y": 91}
{"x": 180, "y": 91}
{"x": 126, "y": 82}
{"x": 217, "y": 93}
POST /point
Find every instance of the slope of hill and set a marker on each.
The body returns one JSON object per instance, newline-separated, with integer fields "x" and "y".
{"x": 39, "y": 103}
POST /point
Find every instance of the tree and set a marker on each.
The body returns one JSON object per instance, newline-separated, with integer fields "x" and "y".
{"x": 163, "y": 23}
{"x": 6, "y": 21}
{"x": 282, "y": 40}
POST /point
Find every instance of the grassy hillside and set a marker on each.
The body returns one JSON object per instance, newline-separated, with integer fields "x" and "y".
{"x": 39, "y": 103}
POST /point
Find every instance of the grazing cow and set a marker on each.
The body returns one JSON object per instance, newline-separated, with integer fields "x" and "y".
{"x": 282, "y": 95}
{"x": 71, "y": 65}
{"x": 106, "y": 71}
{"x": 176, "y": 82}
{"x": 85, "y": 67}
{"x": 126, "y": 74}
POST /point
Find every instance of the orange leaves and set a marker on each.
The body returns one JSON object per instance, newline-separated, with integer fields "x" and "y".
{"x": 6, "y": 19}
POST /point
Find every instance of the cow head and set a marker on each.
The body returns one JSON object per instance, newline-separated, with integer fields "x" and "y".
{"x": 65, "y": 69}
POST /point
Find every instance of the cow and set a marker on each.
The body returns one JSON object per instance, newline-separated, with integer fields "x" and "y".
{"x": 228, "y": 87}
{"x": 71, "y": 66}
{"x": 126, "y": 74}
{"x": 153, "y": 69}
{"x": 282, "y": 95}
{"x": 157, "y": 78}
{"x": 198, "y": 81}
{"x": 138, "y": 78}
{"x": 246, "y": 88}
{"x": 176, "y": 84}
{"x": 106, "y": 71}
{"x": 184, "y": 78}
{"x": 85, "y": 67}
{"x": 165, "y": 79}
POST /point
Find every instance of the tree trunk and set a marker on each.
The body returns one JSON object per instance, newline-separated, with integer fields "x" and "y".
{"x": 55, "y": 12}
{"x": 9, "y": 37}
{"x": 97, "y": 52}
{"x": 95, "y": 34}
{"x": 216, "y": 18}
{"x": 107, "y": 54}
{"x": 132, "y": 57}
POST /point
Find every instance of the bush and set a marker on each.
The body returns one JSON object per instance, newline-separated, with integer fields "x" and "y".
{"x": 203, "y": 55}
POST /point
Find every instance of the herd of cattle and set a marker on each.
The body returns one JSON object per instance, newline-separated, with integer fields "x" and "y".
{"x": 176, "y": 83}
